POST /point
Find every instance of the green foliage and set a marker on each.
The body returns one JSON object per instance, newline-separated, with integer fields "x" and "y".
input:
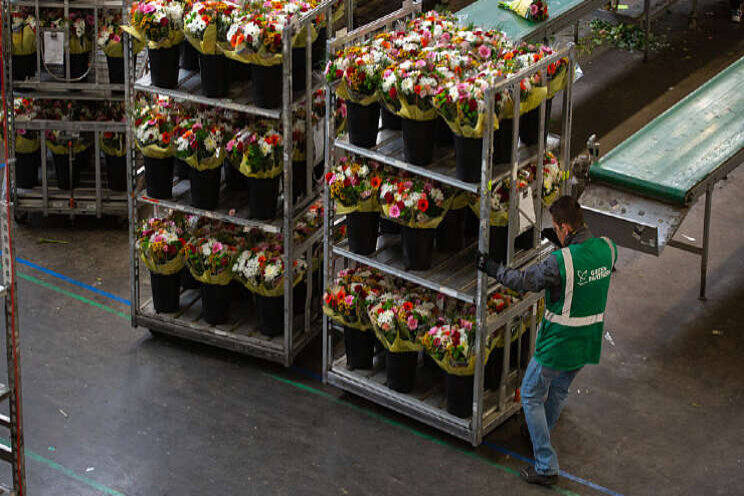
{"x": 628, "y": 37}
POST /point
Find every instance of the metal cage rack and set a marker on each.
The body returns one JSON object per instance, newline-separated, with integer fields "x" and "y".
{"x": 240, "y": 333}
{"x": 92, "y": 196}
{"x": 454, "y": 275}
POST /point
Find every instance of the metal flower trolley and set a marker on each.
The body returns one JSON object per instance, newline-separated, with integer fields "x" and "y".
{"x": 453, "y": 275}
{"x": 51, "y": 77}
{"x": 239, "y": 333}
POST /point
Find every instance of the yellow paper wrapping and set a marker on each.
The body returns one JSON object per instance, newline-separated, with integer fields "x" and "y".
{"x": 174, "y": 38}
{"x": 116, "y": 50}
{"x": 262, "y": 56}
{"x": 26, "y": 145}
{"x": 342, "y": 91}
{"x": 462, "y": 368}
{"x": 398, "y": 345}
{"x": 108, "y": 150}
{"x": 221, "y": 279}
{"x": 24, "y": 41}
{"x": 245, "y": 169}
{"x": 370, "y": 205}
{"x": 548, "y": 200}
{"x": 166, "y": 269}
{"x": 466, "y": 131}
{"x": 277, "y": 291}
{"x": 462, "y": 200}
{"x": 412, "y": 112}
{"x": 429, "y": 224}
{"x": 77, "y": 46}
{"x": 155, "y": 151}
{"x": 337, "y": 317}
{"x": 533, "y": 100}
{"x": 498, "y": 219}
{"x": 208, "y": 44}
{"x": 206, "y": 163}
{"x": 57, "y": 149}
{"x": 557, "y": 83}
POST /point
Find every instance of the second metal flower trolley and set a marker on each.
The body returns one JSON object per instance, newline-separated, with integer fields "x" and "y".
{"x": 454, "y": 275}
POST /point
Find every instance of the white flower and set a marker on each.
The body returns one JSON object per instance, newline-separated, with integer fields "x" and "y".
{"x": 407, "y": 85}
{"x": 210, "y": 144}
{"x": 271, "y": 272}
{"x": 206, "y": 249}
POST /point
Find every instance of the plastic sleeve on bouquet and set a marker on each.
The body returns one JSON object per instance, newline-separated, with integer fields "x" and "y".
{"x": 336, "y": 317}
{"x": 116, "y": 50}
{"x": 342, "y": 91}
{"x": 207, "y": 45}
{"x": 221, "y": 279}
{"x": 208, "y": 163}
{"x": 398, "y": 345}
{"x": 371, "y": 205}
{"x": 413, "y": 113}
{"x": 26, "y": 145}
{"x": 168, "y": 268}
{"x": 76, "y": 47}
{"x": 155, "y": 151}
{"x": 432, "y": 223}
{"x": 110, "y": 150}
{"x": 174, "y": 38}
{"x": 57, "y": 149}
{"x": 24, "y": 41}
{"x": 533, "y": 100}
{"x": 246, "y": 169}
{"x": 557, "y": 83}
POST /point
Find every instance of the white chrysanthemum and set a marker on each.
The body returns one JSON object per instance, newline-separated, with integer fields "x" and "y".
{"x": 210, "y": 144}
{"x": 407, "y": 85}
{"x": 272, "y": 272}
{"x": 264, "y": 147}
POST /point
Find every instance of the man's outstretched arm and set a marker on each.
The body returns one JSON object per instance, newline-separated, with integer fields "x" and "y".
{"x": 537, "y": 277}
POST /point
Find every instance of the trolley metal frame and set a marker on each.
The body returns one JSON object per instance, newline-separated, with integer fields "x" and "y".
{"x": 455, "y": 276}
{"x": 93, "y": 198}
{"x": 240, "y": 336}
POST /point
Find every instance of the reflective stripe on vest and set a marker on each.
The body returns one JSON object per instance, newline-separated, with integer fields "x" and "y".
{"x": 565, "y": 319}
{"x": 612, "y": 250}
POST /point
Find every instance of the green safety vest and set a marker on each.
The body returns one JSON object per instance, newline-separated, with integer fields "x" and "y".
{"x": 571, "y": 331}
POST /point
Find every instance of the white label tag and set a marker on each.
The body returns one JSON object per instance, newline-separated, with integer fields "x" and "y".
{"x": 319, "y": 142}
{"x": 54, "y": 48}
{"x": 526, "y": 209}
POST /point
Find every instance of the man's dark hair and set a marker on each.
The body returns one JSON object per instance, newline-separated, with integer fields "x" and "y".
{"x": 566, "y": 210}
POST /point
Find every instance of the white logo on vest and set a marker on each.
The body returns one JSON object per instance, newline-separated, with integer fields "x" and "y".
{"x": 585, "y": 277}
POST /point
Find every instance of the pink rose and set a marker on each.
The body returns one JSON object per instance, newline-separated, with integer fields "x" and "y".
{"x": 484, "y": 51}
{"x": 412, "y": 323}
{"x": 394, "y": 212}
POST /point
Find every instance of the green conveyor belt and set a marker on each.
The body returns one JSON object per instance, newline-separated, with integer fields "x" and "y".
{"x": 488, "y": 14}
{"x": 681, "y": 147}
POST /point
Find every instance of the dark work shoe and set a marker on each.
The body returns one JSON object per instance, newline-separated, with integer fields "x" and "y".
{"x": 530, "y": 475}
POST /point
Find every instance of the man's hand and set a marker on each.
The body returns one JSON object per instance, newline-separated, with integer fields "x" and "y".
{"x": 487, "y": 265}
{"x": 550, "y": 235}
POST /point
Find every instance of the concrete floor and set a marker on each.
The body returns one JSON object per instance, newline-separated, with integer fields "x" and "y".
{"x": 110, "y": 410}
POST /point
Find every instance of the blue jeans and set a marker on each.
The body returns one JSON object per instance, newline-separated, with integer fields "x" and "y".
{"x": 544, "y": 392}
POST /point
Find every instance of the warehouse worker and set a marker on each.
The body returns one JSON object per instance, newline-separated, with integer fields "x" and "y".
{"x": 576, "y": 279}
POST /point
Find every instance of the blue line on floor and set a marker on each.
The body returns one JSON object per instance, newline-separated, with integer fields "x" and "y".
{"x": 73, "y": 281}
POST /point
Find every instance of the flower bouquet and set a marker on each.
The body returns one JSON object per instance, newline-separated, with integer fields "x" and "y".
{"x": 206, "y": 27}
{"x": 397, "y": 321}
{"x": 354, "y": 184}
{"x": 23, "y": 43}
{"x": 82, "y": 25}
{"x": 261, "y": 270}
{"x": 159, "y": 23}
{"x": 160, "y": 243}
{"x": 358, "y": 71}
{"x": 110, "y": 41}
{"x": 153, "y": 135}
{"x": 346, "y": 302}
{"x": 259, "y": 153}
{"x": 199, "y": 143}
{"x": 210, "y": 260}
{"x": 418, "y": 205}
{"x": 63, "y": 145}
{"x": 532, "y": 10}
{"x": 27, "y": 144}
{"x": 113, "y": 146}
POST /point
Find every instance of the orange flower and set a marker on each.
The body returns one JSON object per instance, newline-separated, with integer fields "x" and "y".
{"x": 375, "y": 181}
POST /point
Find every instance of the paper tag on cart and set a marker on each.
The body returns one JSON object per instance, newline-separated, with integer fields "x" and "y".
{"x": 54, "y": 48}
{"x": 526, "y": 209}
{"x": 319, "y": 142}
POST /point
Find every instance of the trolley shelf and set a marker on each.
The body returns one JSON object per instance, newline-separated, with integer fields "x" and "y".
{"x": 389, "y": 150}
{"x": 426, "y": 402}
{"x": 112, "y": 4}
{"x": 228, "y": 200}
{"x": 238, "y": 99}
{"x": 72, "y": 126}
{"x": 238, "y": 334}
{"x": 56, "y": 90}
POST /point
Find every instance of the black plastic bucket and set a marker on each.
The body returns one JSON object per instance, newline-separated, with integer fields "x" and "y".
{"x": 319, "y": 48}
{"x": 187, "y": 280}
{"x": 234, "y": 180}
{"x": 159, "y": 177}
{"x": 472, "y": 226}
{"x": 270, "y": 310}
{"x": 360, "y": 348}
{"x": 115, "y": 69}
{"x": 263, "y": 198}
{"x": 62, "y": 170}
{"x": 267, "y": 85}
{"x": 79, "y": 65}
{"x": 451, "y": 231}
{"x": 418, "y": 245}
{"x": 212, "y": 69}
{"x": 529, "y": 124}
{"x": 492, "y": 370}
{"x": 390, "y": 120}
{"x": 205, "y": 188}
{"x": 362, "y": 229}
{"x": 418, "y": 147}
{"x": 468, "y": 158}
{"x": 443, "y": 134}
{"x": 238, "y": 71}
{"x": 27, "y": 169}
{"x": 299, "y": 176}
{"x": 24, "y": 66}
{"x": 459, "y": 391}
{"x": 387, "y": 226}
{"x": 401, "y": 370}
{"x": 363, "y": 122}
{"x": 188, "y": 57}
{"x": 215, "y": 303}
{"x": 502, "y": 142}
{"x": 116, "y": 172}
{"x": 299, "y": 64}
{"x": 166, "y": 292}
{"x": 299, "y": 294}
{"x": 164, "y": 66}
{"x": 181, "y": 169}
